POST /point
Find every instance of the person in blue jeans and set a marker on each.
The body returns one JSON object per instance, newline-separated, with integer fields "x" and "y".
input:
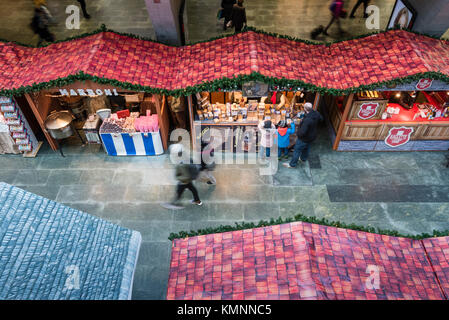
{"x": 284, "y": 131}
{"x": 307, "y": 133}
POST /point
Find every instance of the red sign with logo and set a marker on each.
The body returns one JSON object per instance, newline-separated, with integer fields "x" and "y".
{"x": 368, "y": 110}
{"x": 424, "y": 84}
{"x": 398, "y": 136}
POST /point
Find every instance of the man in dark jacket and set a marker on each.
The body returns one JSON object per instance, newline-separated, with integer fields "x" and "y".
{"x": 307, "y": 133}
{"x": 185, "y": 173}
{"x": 238, "y": 16}
{"x": 227, "y": 11}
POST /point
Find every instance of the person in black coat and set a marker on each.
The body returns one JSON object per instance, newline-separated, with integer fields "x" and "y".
{"x": 307, "y": 133}
{"x": 238, "y": 16}
{"x": 227, "y": 11}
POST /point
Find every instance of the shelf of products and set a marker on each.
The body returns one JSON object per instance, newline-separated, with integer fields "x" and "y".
{"x": 19, "y": 129}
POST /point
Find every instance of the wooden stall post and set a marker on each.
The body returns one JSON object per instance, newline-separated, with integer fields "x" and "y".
{"x": 162, "y": 111}
{"x": 192, "y": 127}
{"x": 316, "y": 101}
{"x": 343, "y": 121}
{"x": 53, "y": 143}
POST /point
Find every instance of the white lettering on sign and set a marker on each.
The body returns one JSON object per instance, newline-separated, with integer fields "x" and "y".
{"x": 398, "y": 136}
{"x": 88, "y": 92}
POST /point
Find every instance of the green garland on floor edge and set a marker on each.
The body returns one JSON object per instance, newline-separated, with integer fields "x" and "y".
{"x": 221, "y": 84}
{"x": 302, "y": 218}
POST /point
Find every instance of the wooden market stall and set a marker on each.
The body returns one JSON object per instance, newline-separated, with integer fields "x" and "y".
{"x": 238, "y": 113}
{"x": 399, "y": 119}
{"x": 105, "y": 60}
{"x": 84, "y": 99}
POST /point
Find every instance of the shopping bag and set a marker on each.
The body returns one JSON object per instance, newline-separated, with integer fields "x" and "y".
{"x": 229, "y": 24}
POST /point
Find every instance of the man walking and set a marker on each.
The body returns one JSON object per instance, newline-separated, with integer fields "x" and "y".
{"x": 185, "y": 173}
{"x": 307, "y": 133}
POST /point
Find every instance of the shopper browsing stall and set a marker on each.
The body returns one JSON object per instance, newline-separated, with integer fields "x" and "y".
{"x": 307, "y": 133}
{"x": 284, "y": 131}
{"x": 267, "y": 131}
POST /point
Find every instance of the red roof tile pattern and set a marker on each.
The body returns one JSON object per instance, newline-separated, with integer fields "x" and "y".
{"x": 381, "y": 57}
{"x": 305, "y": 261}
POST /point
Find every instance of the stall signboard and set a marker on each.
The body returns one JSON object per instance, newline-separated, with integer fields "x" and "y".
{"x": 420, "y": 85}
{"x": 88, "y": 92}
{"x": 368, "y": 110}
{"x": 398, "y": 136}
{"x": 255, "y": 89}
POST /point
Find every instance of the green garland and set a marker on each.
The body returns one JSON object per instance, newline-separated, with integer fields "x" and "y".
{"x": 302, "y": 218}
{"x": 221, "y": 84}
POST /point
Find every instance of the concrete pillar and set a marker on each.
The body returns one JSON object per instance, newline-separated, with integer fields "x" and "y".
{"x": 164, "y": 15}
{"x": 432, "y": 16}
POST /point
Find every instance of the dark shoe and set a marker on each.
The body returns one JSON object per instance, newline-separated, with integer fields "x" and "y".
{"x": 87, "y": 16}
{"x": 325, "y": 33}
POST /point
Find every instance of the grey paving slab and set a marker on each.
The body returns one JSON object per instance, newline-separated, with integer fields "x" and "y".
{"x": 97, "y": 176}
{"x": 150, "y": 282}
{"x": 8, "y": 176}
{"x": 64, "y": 177}
{"x": 74, "y": 193}
{"x": 225, "y": 211}
{"x": 49, "y": 192}
{"x": 261, "y": 211}
{"x": 128, "y": 177}
{"x": 31, "y": 177}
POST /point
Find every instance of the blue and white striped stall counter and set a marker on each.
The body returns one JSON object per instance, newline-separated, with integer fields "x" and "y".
{"x": 132, "y": 144}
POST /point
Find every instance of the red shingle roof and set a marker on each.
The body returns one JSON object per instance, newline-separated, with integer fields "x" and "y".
{"x": 306, "y": 261}
{"x": 380, "y": 57}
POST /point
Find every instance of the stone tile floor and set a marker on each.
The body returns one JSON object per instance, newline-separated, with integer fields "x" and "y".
{"x": 407, "y": 192}
{"x": 290, "y": 17}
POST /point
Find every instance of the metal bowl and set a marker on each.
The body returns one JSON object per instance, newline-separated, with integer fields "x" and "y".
{"x": 59, "y": 124}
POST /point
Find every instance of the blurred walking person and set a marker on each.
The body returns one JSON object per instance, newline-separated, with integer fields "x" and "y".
{"x": 238, "y": 16}
{"x": 40, "y": 22}
{"x": 359, "y": 2}
{"x": 185, "y": 173}
{"x": 206, "y": 169}
{"x": 338, "y": 12}
{"x": 83, "y": 8}
{"x": 227, "y": 11}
